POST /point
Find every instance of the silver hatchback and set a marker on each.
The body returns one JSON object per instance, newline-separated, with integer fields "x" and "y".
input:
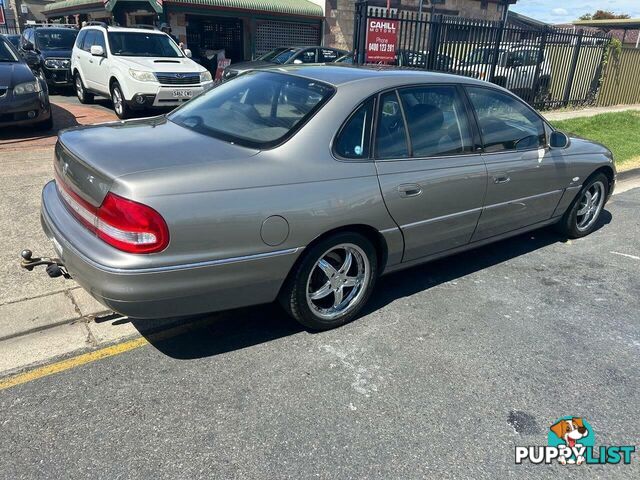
{"x": 304, "y": 184}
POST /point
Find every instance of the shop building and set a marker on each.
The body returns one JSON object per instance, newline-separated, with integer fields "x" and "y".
{"x": 243, "y": 28}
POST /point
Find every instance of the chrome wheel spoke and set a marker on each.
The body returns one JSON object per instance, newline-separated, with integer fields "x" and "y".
{"x": 352, "y": 281}
{"x": 322, "y": 292}
{"x": 584, "y": 209}
{"x": 347, "y": 263}
{"x": 337, "y": 296}
{"x": 327, "y": 268}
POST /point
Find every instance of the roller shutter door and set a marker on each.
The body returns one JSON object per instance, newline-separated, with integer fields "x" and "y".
{"x": 271, "y": 34}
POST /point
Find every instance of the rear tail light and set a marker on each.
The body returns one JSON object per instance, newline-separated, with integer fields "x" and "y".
{"x": 124, "y": 224}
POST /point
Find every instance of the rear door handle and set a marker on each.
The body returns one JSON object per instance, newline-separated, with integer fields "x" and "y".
{"x": 409, "y": 190}
{"x": 501, "y": 179}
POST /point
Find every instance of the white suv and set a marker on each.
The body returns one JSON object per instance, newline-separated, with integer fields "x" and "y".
{"x": 135, "y": 67}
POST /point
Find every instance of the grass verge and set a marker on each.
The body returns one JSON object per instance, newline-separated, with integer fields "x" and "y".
{"x": 618, "y": 131}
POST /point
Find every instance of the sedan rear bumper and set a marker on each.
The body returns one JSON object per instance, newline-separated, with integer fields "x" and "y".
{"x": 162, "y": 291}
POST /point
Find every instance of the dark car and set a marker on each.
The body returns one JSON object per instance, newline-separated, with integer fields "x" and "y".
{"x": 48, "y": 51}
{"x": 286, "y": 56}
{"x": 24, "y": 99}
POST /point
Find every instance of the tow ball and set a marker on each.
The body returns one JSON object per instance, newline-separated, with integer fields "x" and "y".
{"x": 54, "y": 266}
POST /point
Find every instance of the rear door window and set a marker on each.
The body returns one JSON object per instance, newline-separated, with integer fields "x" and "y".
{"x": 327, "y": 55}
{"x": 353, "y": 140}
{"x": 391, "y": 136}
{"x": 437, "y": 121}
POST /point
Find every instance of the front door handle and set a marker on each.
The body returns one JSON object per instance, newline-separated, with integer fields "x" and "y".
{"x": 501, "y": 179}
{"x": 409, "y": 190}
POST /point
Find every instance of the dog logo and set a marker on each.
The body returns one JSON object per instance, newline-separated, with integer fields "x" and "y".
{"x": 571, "y": 441}
{"x": 572, "y": 431}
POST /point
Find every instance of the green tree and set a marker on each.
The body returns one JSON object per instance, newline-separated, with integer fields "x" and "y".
{"x": 603, "y": 15}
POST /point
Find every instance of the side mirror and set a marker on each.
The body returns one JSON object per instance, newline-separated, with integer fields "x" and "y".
{"x": 558, "y": 140}
{"x": 28, "y": 47}
{"x": 187, "y": 53}
{"x": 97, "y": 51}
{"x": 297, "y": 61}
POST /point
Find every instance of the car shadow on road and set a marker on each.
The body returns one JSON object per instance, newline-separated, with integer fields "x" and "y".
{"x": 218, "y": 333}
{"x": 62, "y": 118}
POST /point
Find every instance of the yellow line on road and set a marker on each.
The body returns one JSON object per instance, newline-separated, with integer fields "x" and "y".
{"x": 72, "y": 362}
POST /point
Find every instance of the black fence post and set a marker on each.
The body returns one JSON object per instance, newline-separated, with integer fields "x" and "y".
{"x": 572, "y": 70}
{"x": 496, "y": 49}
{"x": 360, "y": 31}
{"x": 434, "y": 42}
{"x": 541, "y": 58}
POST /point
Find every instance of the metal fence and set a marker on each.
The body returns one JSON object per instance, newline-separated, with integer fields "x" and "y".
{"x": 9, "y": 27}
{"x": 621, "y": 84}
{"x": 547, "y": 67}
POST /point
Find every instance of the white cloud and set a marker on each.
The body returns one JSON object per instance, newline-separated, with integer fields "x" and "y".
{"x": 548, "y": 10}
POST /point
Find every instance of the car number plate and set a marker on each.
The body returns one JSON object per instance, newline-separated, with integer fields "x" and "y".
{"x": 182, "y": 94}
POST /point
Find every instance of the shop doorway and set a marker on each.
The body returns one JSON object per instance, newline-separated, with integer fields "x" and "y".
{"x": 215, "y": 33}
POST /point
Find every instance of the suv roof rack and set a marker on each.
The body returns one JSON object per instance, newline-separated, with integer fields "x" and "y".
{"x": 144, "y": 26}
{"x": 49, "y": 25}
{"x": 96, "y": 23}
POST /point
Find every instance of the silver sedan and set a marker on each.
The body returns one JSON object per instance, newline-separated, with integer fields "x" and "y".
{"x": 305, "y": 184}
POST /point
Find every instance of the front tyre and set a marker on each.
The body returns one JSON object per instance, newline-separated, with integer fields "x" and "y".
{"x": 119, "y": 103}
{"x": 582, "y": 216}
{"x": 332, "y": 282}
{"x": 81, "y": 92}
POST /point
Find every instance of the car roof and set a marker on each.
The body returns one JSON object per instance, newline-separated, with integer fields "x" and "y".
{"x": 340, "y": 74}
{"x": 123, "y": 29}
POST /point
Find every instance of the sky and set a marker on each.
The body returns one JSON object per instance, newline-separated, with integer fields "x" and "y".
{"x": 564, "y": 11}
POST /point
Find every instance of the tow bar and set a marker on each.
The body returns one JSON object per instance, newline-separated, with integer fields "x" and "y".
{"x": 54, "y": 266}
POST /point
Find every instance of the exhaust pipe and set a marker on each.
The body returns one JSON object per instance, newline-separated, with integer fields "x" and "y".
{"x": 54, "y": 266}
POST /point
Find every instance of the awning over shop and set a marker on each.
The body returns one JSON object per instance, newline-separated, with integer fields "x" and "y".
{"x": 73, "y": 6}
{"x": 288, "y": 7}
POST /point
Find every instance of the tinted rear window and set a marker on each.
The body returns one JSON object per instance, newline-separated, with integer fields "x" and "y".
{"x": 258, "y": 109}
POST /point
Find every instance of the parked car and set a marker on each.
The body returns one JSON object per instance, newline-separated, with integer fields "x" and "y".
{"x": 48, "y": 51}
{"x": 304, "y": 184}
{"x": 415, "y": 59}
{"x": 286, "y": 56}
{"x": 522, "y": 69}
{"x": 136, "y": 68}
{"x": 24, "y": 99}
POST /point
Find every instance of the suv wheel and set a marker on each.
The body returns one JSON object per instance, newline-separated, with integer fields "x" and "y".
{"x": 84, "y": 96}
{"x": 332, "y": 282}
{"x": 119, "y": 103}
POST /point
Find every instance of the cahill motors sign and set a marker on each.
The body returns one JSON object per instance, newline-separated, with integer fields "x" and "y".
{"x": 382, "y": 35}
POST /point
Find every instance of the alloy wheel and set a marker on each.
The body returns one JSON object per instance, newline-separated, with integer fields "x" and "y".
{"x": 590, "y": 206}
{"x": 79, "y": 88}
{"x": 117, "y": 100}
{"x": 337, "y": 281}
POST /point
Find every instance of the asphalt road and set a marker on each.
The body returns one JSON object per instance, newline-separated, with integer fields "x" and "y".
{"x": 453, "y": 364}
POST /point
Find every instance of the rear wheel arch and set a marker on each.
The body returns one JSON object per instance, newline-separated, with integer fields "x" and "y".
{"x": 367, "y": 231}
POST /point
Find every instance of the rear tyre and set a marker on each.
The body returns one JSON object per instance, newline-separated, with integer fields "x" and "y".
{"x": 332, "y": 282}
{"x": 84, "y": 96}
{"x": 119, "y": 103}
{"x": 582, "y": 216}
